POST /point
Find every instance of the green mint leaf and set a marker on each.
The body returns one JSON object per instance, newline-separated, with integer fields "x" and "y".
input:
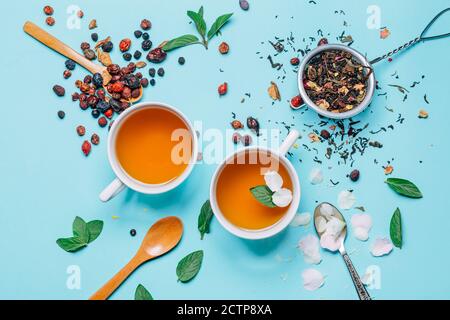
{"x": 264, "y": 195}
{"x": 94, "y": 227}
{"x": 80, "y": 230}
{"x": 404, "y": 187}
{"x": 199, "y": 22}
{"x": 396, "y": 229}
{"x": 142, "y": 293}
{"x": 218, "y": 24}
{"x": 189, "y": 266}
{"x": 179, "y": 42}
{"x": 71, "y": 244}
{"x": 204, "y": 219}
{"x": 200, "y": 11}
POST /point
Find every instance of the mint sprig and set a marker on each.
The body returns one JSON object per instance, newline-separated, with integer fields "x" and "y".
{"x": 83, "y": 234}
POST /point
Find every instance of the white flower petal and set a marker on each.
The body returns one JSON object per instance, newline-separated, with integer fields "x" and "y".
{"x": 309, "y": 245}
{"x": 361, "y": 223}
{"x": 329, "y": 242}
{"x": 312, "y": 279}
{"x": 381, "y": 247}
{"x": 326, "y": 210}
{"x": 321, "y": 224}
{"x": 316, "y": 176}
{"x": 361, "y": 234}
{"x": 334, "y": 227}
{"x": 346, "y": 200}
{"x": 282, "y": 198}
{"x": 273, "y": 180}
{"x": 301, "y": 219}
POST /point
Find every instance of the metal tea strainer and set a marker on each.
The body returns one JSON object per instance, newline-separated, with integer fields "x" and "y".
{"x": 371, "y": 82}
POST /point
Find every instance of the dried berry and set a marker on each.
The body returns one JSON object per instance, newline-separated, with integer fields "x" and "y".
{"x": 181, "y": 60}
{"x": 85, "y": 46}
{"x": 50, "y": 21}
{"x": 236, "y": 138}
{"x": 236, "y": 124}
{"x": 137, "y": 54}
{"x": 59, "y": 90}
{"x": 109, "y": 113}
{"x": 223, "y": 89}
{"x": 94, "y": 37}
{"x": 48, "y": 10}
{"x": 70, "y": 65}
{"x": 152, "y": 72}
{"x": 80, "y": 14}
{"x": 136, "y": 93}
{"x": 244, "y": 4}
{"x": 126, "y": 93}
{"x": 325, "y": 134}
{"x": 86, "y": 148}
{"x": 295, "y": 61}
{"x": 92, "y": 101}
{"x": 296, "y": 102}
{"x": 322, "y": 42}
{"x": 83, "y": 105}
{"x": 132, "y": 81}
{"x": 161, "y": 72}
{"x": 117, "y": 87}
{"x": 95, "y": 139}
{"x": 152, "y": 82}
{"x": 107, "y": 46}
{"x": 157, "y": 55}
{"x": 146, "y": 24}
{"x": 253, "y": 124}
{"x": 75, "y": 96}
{"x": 147, "y": 45}
{"x": 89, "y": 54}
{"x": 125, "y": 45}
{"x": 113, "y": 69}
{"x": 93, "y": 25}
{"x": 133, "y": 232}
{"x": 138, "y": 34}
{"x": 224, "y": 48}
{"x": 87, "y": 79}
{"x": 132, "y": 67}
{"x": 354, "y": 175}
{"x": 102, "y": 106}
{"x": 127, "y": 56}
{"x": 81, "y": 131}
{"x": 102, "y": 122}
{"x": 97, "y": 79}
{"x": 67, "y": 74}
{"x": 247, "y": 140}
{"x": 145, "y": 36}
{"x": 95, "y": 113}
{"x": 144, "y": 82}
{"x": 115, "y": 105}
{"x": 61, "y": 114}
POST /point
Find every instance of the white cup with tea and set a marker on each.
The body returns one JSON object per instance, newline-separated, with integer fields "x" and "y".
{"x": 234, "y": 205}
{"x": 152, "y": 148}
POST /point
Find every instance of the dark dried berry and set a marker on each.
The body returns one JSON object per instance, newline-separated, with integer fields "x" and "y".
{"x": 152, "y": 82}
{"x": 181, "y": 60}
{"x": 157, "y": 55}
{"x": 322, "y": 42}
{"x": 115, "y": 105}
{"x": 89, "y": 54}
{"x": 126, "y": 94}
{"x": 97, "y": 79}
{"x": 354, "y": 175}
{"x": 125, "y": 45}
{"x": 102, "y": 122}
{"x": 50, "y": 21}
{"x": 101, "y": 94}
{"x": 107, "y": 46}
{"x": 59, "y": 90}
{"x": 136, "y": 93}
{"x": 244, "y": 5}
{"x": 95, "y": 139}
{"x": 102, "y": 106}
{"x": 131, "y": 67}
{"x": 75, "y": 96}
{"x": 87, "y": 79}
{"x": 86, "y": 148}
{"x": 61, "y": 114}
{"x": 92, "y": 101}
{"x": 67, "y": 74}
{"x": 83, "y": 105}
{"x": 236, "y": 138}
{"x": 48, "y": 10}
{"x": 247, "y": 140}
{"x": 138, "y": 34}
{"x": 95, "y": 113}
{"x": 145, "y": 36}
{"x": 137, "y": 54}
{"x": 144, "y": 82}
{"x": 85, "y": 46}
{"x": 113, "y": 69}
{"x": 161, "y": 72}
{"x": 146, "y": 24}
{"x": 146, "y": 45}
{"x": 132, "y": 232}
{"x": 81, "y": 131}
{"x": 236, "y": 124}
{"x": 325, "y": 134}
{"x": 127, "y": 56}
{"x": 70, "y": 65}
{"x": 152, "y": 72}
{"x": 132, "y": 81}
{"x": 295, "y": 61}
{"x": 94, "y": 37}
{"x": 253, "y": 124}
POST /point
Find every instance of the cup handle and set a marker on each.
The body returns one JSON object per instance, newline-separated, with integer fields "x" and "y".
{"x": 113, "y": 189}
{"x": 289, "y": 142}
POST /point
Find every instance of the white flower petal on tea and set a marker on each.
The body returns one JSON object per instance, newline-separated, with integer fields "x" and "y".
{"x": 346, "y": 200}
{"x": 312, "y": 279}
{"x": 301, "y": 219}
{"x": 310, "y": 247}
{"x": 282, "y": 198}
{"x": 361, "y": 224}
{"x": 381, "y": 247}
{"x": 326, "y": 210}
{"x": 316, "y": 176}
{"x": 321, "y": 224}
{"x": 273, "y": 180}
{"x": 329, "y": 242}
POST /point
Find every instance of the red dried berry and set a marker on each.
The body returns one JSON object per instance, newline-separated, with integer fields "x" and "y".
{"x": 354, "y": 175}
{"x": 86, "y": 147}
{"x": 224, "y": 48}
{"x": 295, "y": 61}
{"x": 48, "y": 10}
{"x": 67, "y": 74}
{"x": 325, "y": 134}
{"x": 223, "y": 89}
{"x": 117, "y": 87}
{"x": 95, "y": 139}
{"x": 236, "y": 124}
{"x": 50, "y": 21}
{"x": 109, "y": 113}
{"x": 102, "y": 122}
{"x": 322, "y": 42}
{"x": 81, "y": 130}
{"x": 157, "y": 55}
{"x": 236, "y": 138}
{"x": 124, "y": 45}
{"x": 296, "y": 102}
{"x": 59, "y": 90}
{"x": 146, "y": 24}
{"x": 80, "y": 14}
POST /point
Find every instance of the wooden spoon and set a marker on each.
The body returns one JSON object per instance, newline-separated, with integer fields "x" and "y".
{"x": 60, "y": 47}
{"x": 162, "y": 237}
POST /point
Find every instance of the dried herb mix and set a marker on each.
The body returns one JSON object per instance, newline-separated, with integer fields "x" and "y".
{"x": 336, "y": 81}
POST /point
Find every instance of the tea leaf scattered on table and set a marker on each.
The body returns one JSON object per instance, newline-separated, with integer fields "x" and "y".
{"x": 404, "y": 187}
{"x": 200, "y": 23}
{"x": 142, "y": 293}
{"x": 80, "y": 230}
{"x": 189, "y": 266}
{"x": 94, "y": 227}
{"x": 71, "y": 244}
{"x": 83, "y": 234}
{"x": 396, "y": 229}
{"x": 179, "y": 42}
{"x": 218, "y": 24}
{"x": 204, "y": 219}
{"x": 264, "y": 195}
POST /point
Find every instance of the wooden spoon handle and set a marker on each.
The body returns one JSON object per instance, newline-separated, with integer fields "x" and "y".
{"x": 104, "y": 292}
{"x": 60, "y": 47}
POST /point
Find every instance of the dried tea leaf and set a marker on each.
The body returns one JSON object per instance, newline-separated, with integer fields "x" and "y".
{"x": 102, "y": 42}
{"x": 273, "y": 91}
{"x": 423, "y": 114}
{"x": 141, "y": 64}
{"x": 314, "y": 137}
{"x": 92, "y": 24}
{"x": 104, "y": 57}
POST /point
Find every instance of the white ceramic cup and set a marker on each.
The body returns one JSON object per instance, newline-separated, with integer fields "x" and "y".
{"x": 125, "y": 180}
{"x": 281, "y": 224}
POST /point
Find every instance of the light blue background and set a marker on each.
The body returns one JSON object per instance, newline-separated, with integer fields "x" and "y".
{"x": 46, "y": 181}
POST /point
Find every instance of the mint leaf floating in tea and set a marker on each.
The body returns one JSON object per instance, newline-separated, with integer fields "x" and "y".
{"x": 83, "y": 234}
{"x": 404, "y": 187}
{"x": 189, "y": 266}
{"x": 272, "y": 194}
{"x": 396, "y": 229}
{"x": 204, "y": 219}
{"x": 264, "y": 195}
{"x": 142, "y": 293}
